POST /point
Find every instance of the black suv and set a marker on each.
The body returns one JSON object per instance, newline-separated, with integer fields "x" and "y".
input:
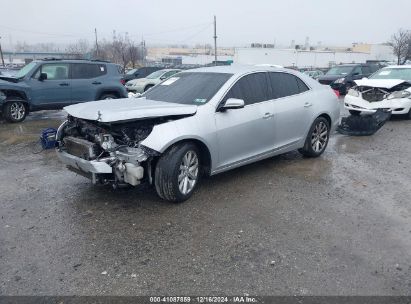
{"x": 52, "y": 84}
{"x": 341, "y": 77}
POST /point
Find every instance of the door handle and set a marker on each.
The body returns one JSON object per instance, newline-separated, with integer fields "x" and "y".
{"x": 64, "y": 84}
{"x": 268, "y": 115}
{"x": 307, "y": 104}
{"x": 96, "y": 82}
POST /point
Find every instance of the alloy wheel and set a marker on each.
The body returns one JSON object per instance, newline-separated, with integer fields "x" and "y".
{"x": 188, "y": 174}
{"x": 319, "y": 137}
{"x": 17, "y": 110}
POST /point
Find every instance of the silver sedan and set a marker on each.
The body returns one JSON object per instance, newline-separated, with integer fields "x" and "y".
{"x": 202, "y": 121}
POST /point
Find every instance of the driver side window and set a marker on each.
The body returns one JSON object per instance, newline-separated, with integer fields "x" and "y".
{"x": 251, "y": 88}
{"x": 53, "y": 71}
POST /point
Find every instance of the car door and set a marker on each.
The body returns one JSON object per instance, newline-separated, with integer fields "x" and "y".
{"x": 53, "y": 92}
{"x": 247, "y": 132}
{"x": 86, "y": 81}
{"x": 292, "y": 104}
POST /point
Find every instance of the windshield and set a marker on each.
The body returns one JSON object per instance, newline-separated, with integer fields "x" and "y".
{"x": 340, "y": 70}
{"x": 188, "y": 88}
{"x": 131, "y": 72}
{"x": 24, "y": 70}
{"x": 156, "y": 74}
{"x": 390, "y": 73}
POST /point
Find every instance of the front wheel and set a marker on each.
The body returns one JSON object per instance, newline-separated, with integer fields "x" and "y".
{"x": 15, "y": 111}
{"x": 317, "y": 138}
{"x": 178, "y": 172}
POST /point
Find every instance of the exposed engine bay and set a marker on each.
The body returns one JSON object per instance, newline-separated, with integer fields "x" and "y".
{"x": 115, "y": 144}
{"x": 375, "y": 94}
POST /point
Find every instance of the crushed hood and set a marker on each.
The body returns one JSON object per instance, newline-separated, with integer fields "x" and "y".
{"x": 114, "y": 110}
{"x": 379, "y": 83}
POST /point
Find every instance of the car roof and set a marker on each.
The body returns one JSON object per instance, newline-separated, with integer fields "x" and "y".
{"x": 52, "y": 60}
{"x": 239, "y": 69}
{"x": 405, "y": 66}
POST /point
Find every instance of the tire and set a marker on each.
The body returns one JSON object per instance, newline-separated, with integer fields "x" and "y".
{"x": 15, "y": 110}
{"x": 354, "y": 112}
{"x": 148, "y": 87}
{"x": 315, "y": 143}
{"x": 108, "y": 96}
{"x": 408, "y": 115}
{"x": 169, "y": 170}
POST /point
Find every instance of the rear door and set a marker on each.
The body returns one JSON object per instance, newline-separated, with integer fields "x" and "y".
{"x": 292, "y": 106}
{"x": 53, "y": 92}
{"x": 87, "y": 80}
{"x": 247, "y": 132}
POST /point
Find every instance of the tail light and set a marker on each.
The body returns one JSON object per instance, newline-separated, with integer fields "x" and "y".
{"x": 337, "y": 93}
{"x": 123, "y": 82}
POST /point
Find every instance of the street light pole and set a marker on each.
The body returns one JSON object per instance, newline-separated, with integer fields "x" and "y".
{"x": 215, "y": 40}
{"x": 1, "y": 53}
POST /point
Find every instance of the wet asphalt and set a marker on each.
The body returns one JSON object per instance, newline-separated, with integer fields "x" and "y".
{"x": 336, "y": 225}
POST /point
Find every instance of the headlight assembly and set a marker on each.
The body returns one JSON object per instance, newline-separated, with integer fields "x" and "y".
{"x": 353, "y": 92}
{"x": 399, "y": 94}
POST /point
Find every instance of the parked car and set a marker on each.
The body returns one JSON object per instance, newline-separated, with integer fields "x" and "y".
{"x": 314, "y": 73}
{"x": 53, "y": 84}
{"x": 140, "y": 72}
{"x": 143, "y": 84}
{"x": 341, "y": 77}
{"x": 202, "y": 121}
{"x": 389, "y": 88}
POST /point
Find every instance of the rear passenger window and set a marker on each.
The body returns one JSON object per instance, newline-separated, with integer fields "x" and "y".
{"x": 251, "y": 88}
{"x": 86, "y": 70}
{"x": 284, "y": 84}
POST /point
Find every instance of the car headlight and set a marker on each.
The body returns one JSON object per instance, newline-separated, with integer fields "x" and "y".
{"x": 340, "y": 80}
{"x": 399, "y": 94}
{"x": 353, "y": 92}
{"x": 2, "y": 96}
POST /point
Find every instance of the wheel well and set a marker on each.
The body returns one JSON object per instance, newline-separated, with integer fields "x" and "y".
{"x": 14, "y": 93}
{"x": 150, "y": 85}
{"x": 327, "y": 117}
{"x": 205, "y": 155}
{"x": 115, "y": 93}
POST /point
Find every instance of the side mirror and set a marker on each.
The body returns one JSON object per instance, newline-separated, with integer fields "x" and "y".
{"x": 43, "y": 76}
{"x": 233, "y": 103}
{"x": 163, "y": 77}
{"x": 356, "y": 74}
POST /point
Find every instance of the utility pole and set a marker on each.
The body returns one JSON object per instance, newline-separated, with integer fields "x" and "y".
{"x": 215, "y": 40}
{"x": 1, "y": 53}
{"x": 97, "y": 51}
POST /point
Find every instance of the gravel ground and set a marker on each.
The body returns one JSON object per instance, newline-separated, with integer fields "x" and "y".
{"x": 336, "y": 225}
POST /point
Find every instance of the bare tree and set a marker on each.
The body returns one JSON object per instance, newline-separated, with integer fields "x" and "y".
{"x": 401, "y": 43}
{"x": 79, "y": 49}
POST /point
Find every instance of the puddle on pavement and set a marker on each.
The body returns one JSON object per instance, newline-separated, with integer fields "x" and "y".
{"x": 26, "y": 131}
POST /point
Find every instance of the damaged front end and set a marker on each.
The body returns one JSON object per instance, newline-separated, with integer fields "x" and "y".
{"x": 107, "y": 153}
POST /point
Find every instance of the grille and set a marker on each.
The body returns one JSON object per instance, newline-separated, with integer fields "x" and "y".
{"x": 80, "y": 147}
{"x": 373, "y": 94}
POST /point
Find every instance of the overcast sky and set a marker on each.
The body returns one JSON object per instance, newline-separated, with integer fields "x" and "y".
{"x": 239, "y": 22}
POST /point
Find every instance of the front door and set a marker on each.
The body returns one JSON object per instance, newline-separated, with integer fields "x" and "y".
{"x": 53, "y": 92}
{"x": 248, "y": 132}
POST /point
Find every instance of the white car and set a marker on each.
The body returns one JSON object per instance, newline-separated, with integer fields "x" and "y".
{"x": 388, "y": 88}
{"x": 141, "y": 85}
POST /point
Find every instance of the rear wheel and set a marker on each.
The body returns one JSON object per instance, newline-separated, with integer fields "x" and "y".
{"x": 317, "y": 138}
{"x": 15, "y": 110}
{"x": 148, "y": 87}
{"x": 108, "y": 96}
{"x": 354, "y": 112}
{"x": 178, "y": 172}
